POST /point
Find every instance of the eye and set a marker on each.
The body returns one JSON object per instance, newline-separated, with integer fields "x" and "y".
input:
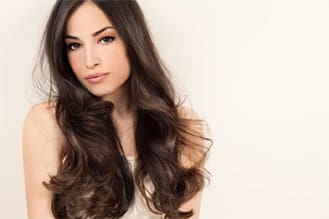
{"x": 73, "y": 46}
{"x": 107, "y": 39}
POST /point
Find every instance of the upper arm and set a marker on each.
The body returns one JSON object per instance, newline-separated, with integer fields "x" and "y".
{"x": 192, "y": 155}
{"x": 41, "y": 141}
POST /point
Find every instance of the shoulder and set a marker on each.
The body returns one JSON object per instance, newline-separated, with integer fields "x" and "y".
{"x": 192, "y": 137}
{"x": 192, "y": 120}
{"x": 187, "y": 112}
{"x": 192, "y": 153}
{"x": 41, "y": 117}
{"x": 42, "y": 139}
{"x": 41, "y": 147}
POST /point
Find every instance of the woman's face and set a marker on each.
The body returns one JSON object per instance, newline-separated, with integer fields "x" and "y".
{"x": 93, "y": 46}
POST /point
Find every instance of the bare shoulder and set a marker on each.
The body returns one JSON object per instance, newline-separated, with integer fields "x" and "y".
{"x": 41, "y": 136}
{"x": 42, "y": 142}
{"x": 192, "y": 150}
{"x": 42, "y": 117}
{"x": 195, "y": 123}
{"x": 187, "y": 112}
{"x": 192, "y": 153}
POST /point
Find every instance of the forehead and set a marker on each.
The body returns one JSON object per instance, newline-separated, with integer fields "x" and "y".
{"x": 87, "y": 18}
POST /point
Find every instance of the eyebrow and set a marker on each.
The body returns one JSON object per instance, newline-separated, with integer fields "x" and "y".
{"x": 94, "y": 34}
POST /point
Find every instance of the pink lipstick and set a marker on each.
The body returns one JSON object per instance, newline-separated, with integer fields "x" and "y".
{"x": 96, "y": 78}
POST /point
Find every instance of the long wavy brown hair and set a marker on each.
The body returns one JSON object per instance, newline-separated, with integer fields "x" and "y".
{"x": 94, "y": 179}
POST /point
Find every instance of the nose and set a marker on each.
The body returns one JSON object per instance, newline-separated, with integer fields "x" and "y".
{"x": 91, "y": 59}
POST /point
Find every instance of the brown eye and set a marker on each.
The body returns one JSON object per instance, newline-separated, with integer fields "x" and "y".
{"x": 107, "y": 39}
{"x": 73, "y": 46}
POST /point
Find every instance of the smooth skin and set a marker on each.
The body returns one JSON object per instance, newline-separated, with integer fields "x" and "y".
{"x": 42, "y": 138}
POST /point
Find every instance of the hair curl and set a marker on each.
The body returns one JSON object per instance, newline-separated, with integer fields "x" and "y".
{"x": 94, "y": 179}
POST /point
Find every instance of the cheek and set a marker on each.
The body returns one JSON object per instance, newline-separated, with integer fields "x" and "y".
{"x": 113, "y": 60}
{"x": 76, "y": 65}
{"x": 120, "y": 62}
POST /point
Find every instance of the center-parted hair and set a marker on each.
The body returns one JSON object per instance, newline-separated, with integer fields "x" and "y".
{"x": 94, "y": 179}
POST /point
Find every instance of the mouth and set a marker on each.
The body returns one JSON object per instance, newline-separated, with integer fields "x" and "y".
{"x": 96, "y": 78}
{"x": 95, "y": 75}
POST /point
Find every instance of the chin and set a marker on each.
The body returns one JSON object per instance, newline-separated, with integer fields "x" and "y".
{"x": 102, "y": 92}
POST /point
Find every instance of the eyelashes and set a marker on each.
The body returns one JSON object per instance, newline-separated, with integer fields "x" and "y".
{"x": 73, "y": 46}
{"x": 107, "y": 39}
{"x": 104, "y": 41}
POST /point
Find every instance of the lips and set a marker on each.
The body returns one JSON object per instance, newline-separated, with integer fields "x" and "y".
{"x": 96, "y": 78}
{"x": 95, "y": 75}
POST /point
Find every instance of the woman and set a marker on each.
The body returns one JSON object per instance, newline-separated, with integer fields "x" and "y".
{"x": 111, "y": 141}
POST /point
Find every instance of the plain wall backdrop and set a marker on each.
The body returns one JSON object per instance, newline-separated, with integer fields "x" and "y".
{"x": 256, "y": 71}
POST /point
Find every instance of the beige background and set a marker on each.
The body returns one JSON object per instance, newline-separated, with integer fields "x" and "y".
{"x": 256, "y": 70}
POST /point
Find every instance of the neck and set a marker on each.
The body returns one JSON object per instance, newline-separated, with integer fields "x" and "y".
{"x": 123, "y": 108}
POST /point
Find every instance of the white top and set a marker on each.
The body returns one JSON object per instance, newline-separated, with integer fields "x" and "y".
{"x": 138, "y": 208}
